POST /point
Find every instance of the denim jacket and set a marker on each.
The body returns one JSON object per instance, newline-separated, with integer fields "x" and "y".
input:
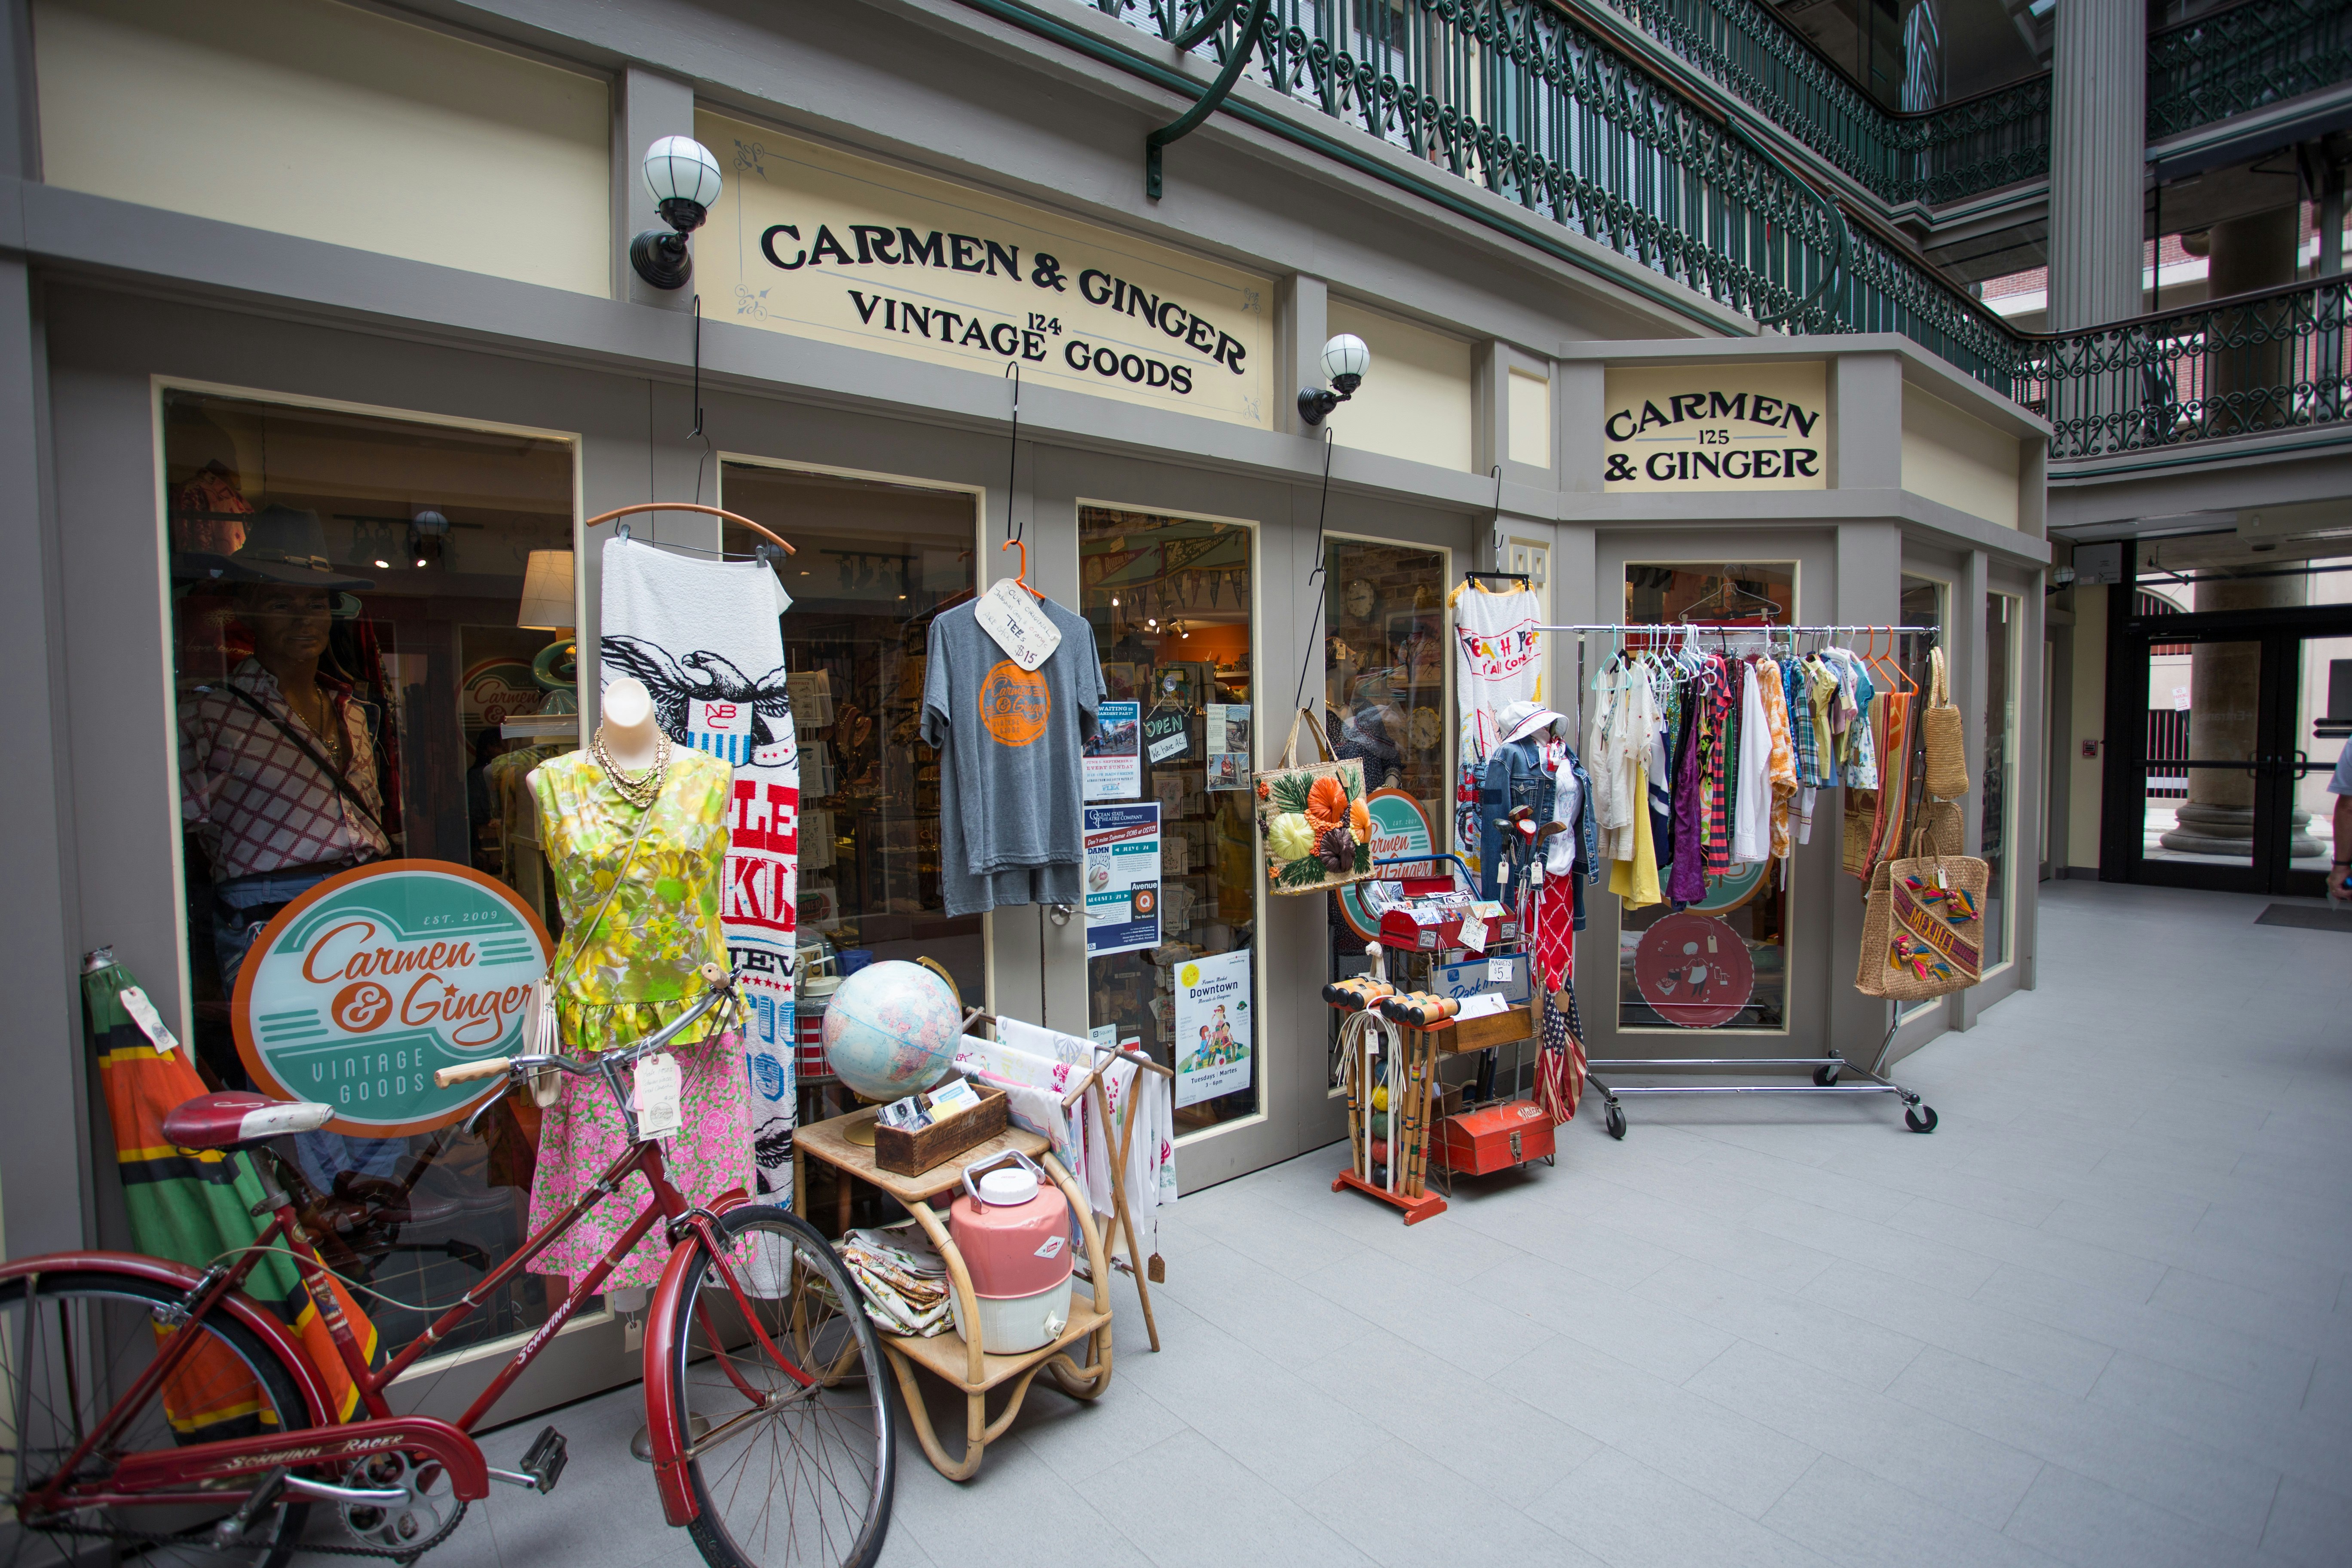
{"x": 1514, "y": 775}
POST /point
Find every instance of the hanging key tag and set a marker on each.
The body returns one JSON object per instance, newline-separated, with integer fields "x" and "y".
{"x": 659, "y": 1114}
{"x": 1009, "y": 613}
{"x": 151, "y": 1022}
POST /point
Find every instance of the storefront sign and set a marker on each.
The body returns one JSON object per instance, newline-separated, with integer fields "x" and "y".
{"x": 814, "y": 242}
{"x": 1399, "y": 828}
{"x": 1113, "y": 758}
{"x": 1122, "y": 871}
{"x": 1715, "y": 428}
{"x": 1213, "y": 1026}
{"x": 365, "y": 985}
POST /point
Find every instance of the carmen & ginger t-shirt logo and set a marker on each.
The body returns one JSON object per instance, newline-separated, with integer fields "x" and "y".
{"x": 1014, "y": 703}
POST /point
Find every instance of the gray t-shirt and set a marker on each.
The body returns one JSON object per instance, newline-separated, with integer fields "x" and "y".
{"x": 1011, "y": 795}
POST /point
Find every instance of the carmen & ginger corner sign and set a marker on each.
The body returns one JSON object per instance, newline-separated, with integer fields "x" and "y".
{"x": 1724, "y": 426}
{"x": 823, "y": 245}
{"x": 363, "y": 986}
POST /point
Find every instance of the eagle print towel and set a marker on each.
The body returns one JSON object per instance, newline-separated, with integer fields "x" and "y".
{"x": 707, "y": 638}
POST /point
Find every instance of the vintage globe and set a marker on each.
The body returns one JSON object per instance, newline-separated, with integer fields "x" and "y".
{"x": 892, "y": 1030}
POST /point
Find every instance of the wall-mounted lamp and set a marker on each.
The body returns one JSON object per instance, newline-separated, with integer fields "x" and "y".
{"x": 1345, "y": 359}
{"x": 684, "y": 179}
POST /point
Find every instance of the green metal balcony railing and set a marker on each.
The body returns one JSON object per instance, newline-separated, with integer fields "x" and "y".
{"x": 2200, "y": 71}
{"x": 2264, "y": 363}
{"x": 1518, "y": 98}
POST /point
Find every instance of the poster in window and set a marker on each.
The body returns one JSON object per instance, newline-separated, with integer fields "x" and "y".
{"x": 1213, "y": 1026}
{"x": 1114, "y": 752}
{"x": 1228, "y": 727}
{"x": 1122, "y": 866}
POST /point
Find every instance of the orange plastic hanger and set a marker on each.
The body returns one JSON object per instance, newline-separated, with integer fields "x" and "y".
{"x": 1024, "y": 578}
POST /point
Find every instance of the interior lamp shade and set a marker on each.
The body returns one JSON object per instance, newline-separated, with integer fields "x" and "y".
{"x": 1345, "y": 359}
{"x": 547, "y": 604}
{"x": 681, "y": 169}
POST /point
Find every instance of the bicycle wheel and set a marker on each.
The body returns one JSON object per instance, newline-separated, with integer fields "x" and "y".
{"x": 73, "y": 1342}
{"x": 792, "y": 1471}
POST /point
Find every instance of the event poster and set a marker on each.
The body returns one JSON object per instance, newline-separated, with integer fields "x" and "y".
{"x": 1213, "y": 1026}
{"x": 1229, "y": 745}
{"x": 1122, "y": 878}
{"x": 1113, "y": 756}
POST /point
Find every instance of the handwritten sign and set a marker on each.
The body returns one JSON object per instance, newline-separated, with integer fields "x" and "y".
{"x": 359, "y": 989}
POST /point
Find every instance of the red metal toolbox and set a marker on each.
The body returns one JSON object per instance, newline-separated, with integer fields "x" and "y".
{"x": 1479, "y": 1142}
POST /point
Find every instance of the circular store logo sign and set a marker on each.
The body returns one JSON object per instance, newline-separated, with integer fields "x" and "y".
{"x": 366, "y": 984}
{"x": 1399, "y": 828}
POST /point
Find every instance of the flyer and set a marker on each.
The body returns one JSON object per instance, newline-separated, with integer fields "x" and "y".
{"x": 1228, "y": 725}
{"x": 1113, "y": 754}
{"x": 1213, "y": 1026}
{"x": 1122, "y": 878}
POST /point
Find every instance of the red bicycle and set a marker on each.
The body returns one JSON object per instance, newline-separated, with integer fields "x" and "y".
{"x": 159, "y": 1412}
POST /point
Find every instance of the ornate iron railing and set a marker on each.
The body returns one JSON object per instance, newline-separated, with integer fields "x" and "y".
{"x": 2266, "y": 362}
{"x": 2199, "y": 71}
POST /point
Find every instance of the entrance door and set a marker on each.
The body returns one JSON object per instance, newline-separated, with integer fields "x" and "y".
{"x": 2227, "y": 785}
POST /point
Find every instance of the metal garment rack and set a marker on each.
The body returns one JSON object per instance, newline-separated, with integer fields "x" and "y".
{"x": 1832, "y": 1064}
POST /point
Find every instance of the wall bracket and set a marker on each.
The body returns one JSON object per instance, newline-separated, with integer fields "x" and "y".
{"x": 1185, "y": 123}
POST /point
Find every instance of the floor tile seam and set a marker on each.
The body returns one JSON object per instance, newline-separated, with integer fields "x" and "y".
{"x": 2270, "y": 1512}
{"x": 1115, "y": 1520}
{"x": 1961, "y": 1246}
{"x": 2177, "y": 1518}
{"x": 2200, "y": 1434}
{"x": 2195, "y": 1272}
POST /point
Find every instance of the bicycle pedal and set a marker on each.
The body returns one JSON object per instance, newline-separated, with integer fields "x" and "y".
{"x": 543, "y": 1462}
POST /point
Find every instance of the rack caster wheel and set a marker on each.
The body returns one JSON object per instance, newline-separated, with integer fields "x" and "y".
{"x": 1824, "y": 1077}
{"x": 1920, "y": 1120}
{"x": 1614, "y": 1121}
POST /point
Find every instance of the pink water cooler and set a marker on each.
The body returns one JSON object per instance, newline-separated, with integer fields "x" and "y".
{"x": 1013, "y": 1230}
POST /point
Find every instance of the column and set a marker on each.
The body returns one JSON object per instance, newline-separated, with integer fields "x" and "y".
{"x": 2249, "y": 353}
{"x": 2098, "y": 92}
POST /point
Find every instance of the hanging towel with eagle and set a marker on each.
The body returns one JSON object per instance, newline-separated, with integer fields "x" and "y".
{"x": 707, "y": 638}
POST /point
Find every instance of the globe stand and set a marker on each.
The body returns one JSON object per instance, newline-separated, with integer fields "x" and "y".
{"x": 861, "y": 1130}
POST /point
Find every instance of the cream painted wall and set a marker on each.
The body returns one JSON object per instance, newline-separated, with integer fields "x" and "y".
{"x": 333, "y": 123}
{"x": 1530, "y": 425}
{"x": 1958, "y": 459}
{"x": 2090, "y": 721}
{"x": 1416, "y": 399}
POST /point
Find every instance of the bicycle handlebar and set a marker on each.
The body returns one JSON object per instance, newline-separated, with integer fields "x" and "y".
{"x": 489, "y": 1067}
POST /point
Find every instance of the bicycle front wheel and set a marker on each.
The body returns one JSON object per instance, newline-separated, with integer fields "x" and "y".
{"x": 792, "y": 1462}
{"x": 71, "y": 1344}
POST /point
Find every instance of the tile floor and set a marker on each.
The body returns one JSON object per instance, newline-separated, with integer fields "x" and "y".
{"x": 2101, "y": 1316}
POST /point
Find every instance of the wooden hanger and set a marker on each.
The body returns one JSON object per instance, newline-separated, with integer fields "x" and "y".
{"x": 1024, "y": 578}
{"x": 770, "y": 534}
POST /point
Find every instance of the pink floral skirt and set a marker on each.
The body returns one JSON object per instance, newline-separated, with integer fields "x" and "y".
{"x": 582, "y": 1135}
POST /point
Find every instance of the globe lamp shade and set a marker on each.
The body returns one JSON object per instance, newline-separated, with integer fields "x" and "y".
{"x": 684, "y": 179}
{"x": 1345, "y": 359}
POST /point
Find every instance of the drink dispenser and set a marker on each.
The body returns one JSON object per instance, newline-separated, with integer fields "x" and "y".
{"x": 1013, "y": 1230}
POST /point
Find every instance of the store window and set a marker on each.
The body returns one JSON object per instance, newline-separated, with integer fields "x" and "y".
{"x": 359, "y": 676}
{"x": 1170, "y": 598}
{"x": 2003, "y": 622}
{"x": 1384, "y": 702}
{"x": 1735, "y": 940}
{"x": 876, "y": 562}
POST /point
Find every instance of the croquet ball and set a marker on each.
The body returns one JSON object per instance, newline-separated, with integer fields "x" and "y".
{"x": 1381, "y": 1097}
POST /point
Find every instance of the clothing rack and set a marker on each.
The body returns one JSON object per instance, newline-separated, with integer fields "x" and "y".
{"x": 1832, "y": 1064}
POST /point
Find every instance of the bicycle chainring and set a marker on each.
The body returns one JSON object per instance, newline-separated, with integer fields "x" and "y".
{"x": 422, "y": 1521}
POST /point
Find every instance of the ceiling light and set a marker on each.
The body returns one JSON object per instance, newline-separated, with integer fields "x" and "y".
{"x": 384, "y": 566}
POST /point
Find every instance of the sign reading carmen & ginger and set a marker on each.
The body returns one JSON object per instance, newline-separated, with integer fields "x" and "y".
{"x": 1724, "y": 426}
{"x": 824, "y": 245}
{"x": 365, "y": 985}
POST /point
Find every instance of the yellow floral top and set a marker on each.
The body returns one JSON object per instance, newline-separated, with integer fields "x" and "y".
{"x": 635, "y": 971}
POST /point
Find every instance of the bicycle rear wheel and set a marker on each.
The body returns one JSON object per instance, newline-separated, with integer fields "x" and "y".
{"x": 792, "y": 1471}
{"x": 71, "y": 1344}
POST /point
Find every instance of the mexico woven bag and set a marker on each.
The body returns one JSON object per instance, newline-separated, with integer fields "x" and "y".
{"x": 1946, "y": 741}
{"x": 1313, "y": 818}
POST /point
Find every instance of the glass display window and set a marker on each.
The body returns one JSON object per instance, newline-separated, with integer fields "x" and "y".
{"x": 1172, "y": 602}
{"x": 1721, "y": 964}
{"x": 1386, "y": 689}
{"x": 362, "y": 673}
{"x": 876, "y": 562}
{"x": 2004, "y": 622}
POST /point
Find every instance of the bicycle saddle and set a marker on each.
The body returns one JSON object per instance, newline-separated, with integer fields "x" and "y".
{"x": 238, "y": 1120}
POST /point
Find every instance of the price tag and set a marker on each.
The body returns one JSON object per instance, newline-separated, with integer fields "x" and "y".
{"x": 659, "y": 1114}
{"x": 150, "y": 1022}
{"x": 1474, "y": 933}
{"x": 1499, "y": 971}
{"x": 1010, "y": 614}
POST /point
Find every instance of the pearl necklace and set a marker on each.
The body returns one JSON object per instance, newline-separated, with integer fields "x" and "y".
{"x": 645, "y": 788}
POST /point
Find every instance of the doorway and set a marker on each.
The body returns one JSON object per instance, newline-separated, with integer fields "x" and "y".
{"x": 2228, "y": 718}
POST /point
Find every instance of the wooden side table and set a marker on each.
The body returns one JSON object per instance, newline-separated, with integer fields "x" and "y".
{"x": 962, "y": 1363}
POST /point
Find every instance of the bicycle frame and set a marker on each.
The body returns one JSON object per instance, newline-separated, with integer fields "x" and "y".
{"x": 178, "y": 1475}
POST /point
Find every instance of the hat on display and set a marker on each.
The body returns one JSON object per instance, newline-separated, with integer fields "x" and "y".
{"x": 1524, "y": 718}
{"x": 282, "y": 544}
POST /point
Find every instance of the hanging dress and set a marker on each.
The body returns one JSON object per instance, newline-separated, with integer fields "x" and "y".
{"x": 632, "y": 974}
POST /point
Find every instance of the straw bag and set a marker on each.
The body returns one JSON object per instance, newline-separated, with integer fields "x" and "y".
{"x": 1946, "y": 745}
{"x": 1923, "y": 934}
{"x": 1313, "y": 818}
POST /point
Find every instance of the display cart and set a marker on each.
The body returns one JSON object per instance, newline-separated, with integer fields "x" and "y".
{"x": 964, "y": 1362}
